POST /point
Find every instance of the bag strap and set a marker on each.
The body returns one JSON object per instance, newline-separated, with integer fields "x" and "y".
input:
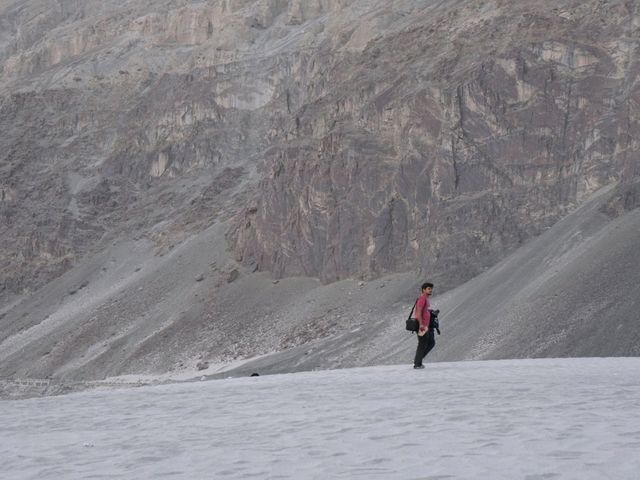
{"x": 412, "y": 309}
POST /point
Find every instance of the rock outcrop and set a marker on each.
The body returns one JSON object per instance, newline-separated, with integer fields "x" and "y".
{"x": 447, "y": 138}
{"x": 158, "y": 158}
{"x": 363, "y": 137}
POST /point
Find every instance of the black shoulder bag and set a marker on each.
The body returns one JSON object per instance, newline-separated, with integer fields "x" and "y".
{"x": 412, "y": 324}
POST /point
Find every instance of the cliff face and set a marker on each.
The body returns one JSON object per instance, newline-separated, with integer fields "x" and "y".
{"x": 345, "y": 137}
{"x": 440, "y": 136}
{"x": 154, "y": 155}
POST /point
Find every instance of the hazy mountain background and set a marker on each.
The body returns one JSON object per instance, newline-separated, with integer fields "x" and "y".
{"x": 185, "y": 182}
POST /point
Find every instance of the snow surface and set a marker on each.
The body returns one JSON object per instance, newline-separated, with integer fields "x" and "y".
{"x": 511, "y": 419}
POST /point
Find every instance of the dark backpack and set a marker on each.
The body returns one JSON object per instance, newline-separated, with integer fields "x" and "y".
{"x": 434, "y": 324}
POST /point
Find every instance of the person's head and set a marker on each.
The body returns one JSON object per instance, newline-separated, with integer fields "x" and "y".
{"x": 427, "y": 287}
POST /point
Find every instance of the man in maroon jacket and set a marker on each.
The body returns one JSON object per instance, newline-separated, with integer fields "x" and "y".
{"x": 426, "y": 338}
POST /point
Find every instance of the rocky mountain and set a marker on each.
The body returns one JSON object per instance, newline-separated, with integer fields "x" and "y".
{"x": 163, "y": 163}
{"x": 571, "y": 292}
{"x": 444, "y": 134}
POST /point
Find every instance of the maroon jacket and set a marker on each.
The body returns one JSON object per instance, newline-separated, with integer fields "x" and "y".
{"x": 422, "y": 311}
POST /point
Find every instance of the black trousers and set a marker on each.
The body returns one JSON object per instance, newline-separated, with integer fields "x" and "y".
{"x": 425, "y": 344}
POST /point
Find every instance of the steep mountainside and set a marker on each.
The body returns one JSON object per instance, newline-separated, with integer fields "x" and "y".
{"x": 177, "y": 174}
{"x": 359, "y": 137}
{"x": 442, "y": 134}
{"x": 572, "y": 291}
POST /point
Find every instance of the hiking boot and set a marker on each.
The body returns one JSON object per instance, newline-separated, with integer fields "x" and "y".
{"x": 418, "y": 367}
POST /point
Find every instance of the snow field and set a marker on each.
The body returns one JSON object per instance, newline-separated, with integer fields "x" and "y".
{"x": 508, "y": 419}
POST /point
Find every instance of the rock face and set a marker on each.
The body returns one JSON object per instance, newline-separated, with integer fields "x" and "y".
{"x": 336, "y": 139}
{"x": 361, "y": 137}
{"x": 444, "y": 134}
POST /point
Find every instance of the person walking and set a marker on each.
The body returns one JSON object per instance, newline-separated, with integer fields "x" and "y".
{"x": 426, "y": 337}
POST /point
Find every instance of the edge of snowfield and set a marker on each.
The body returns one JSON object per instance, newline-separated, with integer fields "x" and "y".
{"x": 575, "y": 418}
